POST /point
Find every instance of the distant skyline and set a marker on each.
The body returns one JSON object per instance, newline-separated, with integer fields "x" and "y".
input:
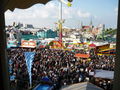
{"x": 99, "y": 11}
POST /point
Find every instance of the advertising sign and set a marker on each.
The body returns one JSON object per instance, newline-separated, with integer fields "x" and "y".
{"x": 103, "y": 47}
{"x": 31, "y": 44}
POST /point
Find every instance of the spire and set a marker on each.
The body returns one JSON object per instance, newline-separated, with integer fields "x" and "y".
{"x": 81, "y": 24}
{"x": 14, "y": 23}
{"x": 91, "y": 22}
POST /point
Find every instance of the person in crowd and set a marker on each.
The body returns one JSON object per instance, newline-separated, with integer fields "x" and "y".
{"x": 60, "y": 66}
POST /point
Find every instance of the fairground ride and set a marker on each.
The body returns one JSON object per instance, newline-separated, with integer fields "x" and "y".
{"x": 61, "y": 21}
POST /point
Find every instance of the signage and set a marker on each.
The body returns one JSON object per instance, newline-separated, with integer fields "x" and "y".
{"x": 103, "y": 47}
{"x": 26, "y": 43}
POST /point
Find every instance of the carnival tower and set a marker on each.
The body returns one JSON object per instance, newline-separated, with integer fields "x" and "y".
{"x": 61, "y": 21}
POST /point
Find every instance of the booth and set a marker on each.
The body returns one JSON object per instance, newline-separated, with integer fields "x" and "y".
{"x": 56, "y": 45}
{"x": 109, "y": 51}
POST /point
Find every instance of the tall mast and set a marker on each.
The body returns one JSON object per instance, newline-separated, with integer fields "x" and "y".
{"x": 60, "y": 22}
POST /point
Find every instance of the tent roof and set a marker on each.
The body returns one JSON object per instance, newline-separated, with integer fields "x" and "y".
{"x": 104, "y": 74}
{"x": 22, "y": 4}
{"x": 82, "y": 86}
{"x": 82, "y": 55}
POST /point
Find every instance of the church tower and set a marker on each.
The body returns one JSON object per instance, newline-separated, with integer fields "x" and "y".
{"x": 91, "y": 24}
{"x": 81, "y": 24}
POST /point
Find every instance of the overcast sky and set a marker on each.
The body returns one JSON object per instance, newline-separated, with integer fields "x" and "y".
{"x": 100, "y": 11}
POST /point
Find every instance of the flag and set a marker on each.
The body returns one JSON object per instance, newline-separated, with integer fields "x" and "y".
{"x": 69, "y": 4}
{"x": 29, "y": 57}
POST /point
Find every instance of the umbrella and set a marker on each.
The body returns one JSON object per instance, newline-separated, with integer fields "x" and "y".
{"x": 92, "y": 45}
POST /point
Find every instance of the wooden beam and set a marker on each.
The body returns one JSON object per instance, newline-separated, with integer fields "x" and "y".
{"x": 116, "y": 85}
{"x": 4, "y": 77}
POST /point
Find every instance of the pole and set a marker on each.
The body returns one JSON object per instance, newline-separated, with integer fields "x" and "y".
{"x": 60, "y": 22}
{"x": 116, "y": 85}
{"x": 4, "y": 76}
{"x": 60, "y": 6}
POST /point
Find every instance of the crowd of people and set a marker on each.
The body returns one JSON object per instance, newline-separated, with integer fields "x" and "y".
{"x": 60, "y": 66}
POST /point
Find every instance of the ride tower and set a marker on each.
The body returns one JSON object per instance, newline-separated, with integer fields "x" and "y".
{"x": 61, "y": 21}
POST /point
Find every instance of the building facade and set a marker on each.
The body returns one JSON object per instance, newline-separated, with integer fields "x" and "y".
{"x": 47, "y": 33}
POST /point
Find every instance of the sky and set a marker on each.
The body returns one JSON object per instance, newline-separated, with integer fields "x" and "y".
{"x": 40, "y": 15}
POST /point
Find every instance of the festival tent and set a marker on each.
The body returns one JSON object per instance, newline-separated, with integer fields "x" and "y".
{"x": 110, "y": 51}
{"x": 56, "y": 45}
{"x": 82, "y": 55}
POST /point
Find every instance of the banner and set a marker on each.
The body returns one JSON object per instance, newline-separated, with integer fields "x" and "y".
{"x": 31, "y": 44}
{"x": 29, "y": 57}
{"x": 102, "y": 47}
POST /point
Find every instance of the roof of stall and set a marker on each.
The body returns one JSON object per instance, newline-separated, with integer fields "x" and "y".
{"x": 82, "y": 86}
